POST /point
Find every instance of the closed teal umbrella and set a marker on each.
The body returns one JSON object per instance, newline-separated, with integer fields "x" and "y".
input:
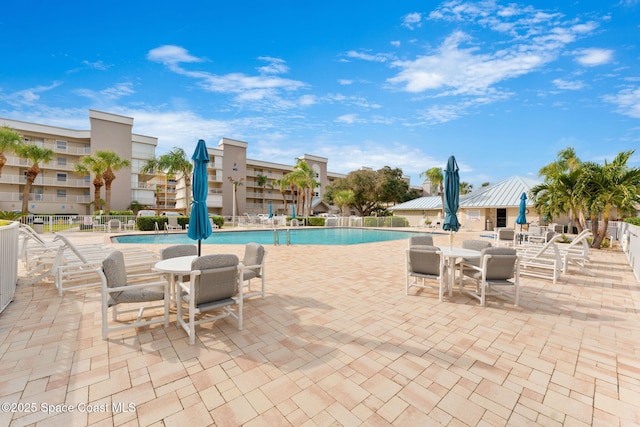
{"x": 522, "y": 215}
{"x": 451, "y": 198}
{"x": 199, "y": 225}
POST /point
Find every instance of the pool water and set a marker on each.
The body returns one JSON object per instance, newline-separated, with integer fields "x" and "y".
{"x": 303, "y": 236}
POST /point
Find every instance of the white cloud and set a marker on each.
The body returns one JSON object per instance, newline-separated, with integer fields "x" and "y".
{"x": 568, "y": 85}
{"x": 263, "y": 91}
{"x": 465, "y": 65}
{"x": 111, "y": 93}
{"x": 395, "y": 43}
{"x": 412, "y": 20}
{"x": 592, "y": 57}
{"x": 345, "y": 82}
{"x": 171, "y": 55}
{"x": 28, "y": 96}
{"x": 627, "y": 101}
{"x": 379, "y": 57}
{"x": 347, "y": 118}
{"x": 276, "y": 66}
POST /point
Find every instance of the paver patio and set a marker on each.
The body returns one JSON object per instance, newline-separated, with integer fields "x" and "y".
{"x": 336, "y": 342}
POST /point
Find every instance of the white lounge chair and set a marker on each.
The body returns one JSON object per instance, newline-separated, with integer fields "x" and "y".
{"x": 542, "y": 261}
{"x": 172, "y": 224}
{"x": 576, "y": 253}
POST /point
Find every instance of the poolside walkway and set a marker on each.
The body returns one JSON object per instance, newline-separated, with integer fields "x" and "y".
{"x": 336, "y": 342}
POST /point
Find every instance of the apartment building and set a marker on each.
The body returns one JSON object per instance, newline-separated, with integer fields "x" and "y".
{"x": 59, "y": 190}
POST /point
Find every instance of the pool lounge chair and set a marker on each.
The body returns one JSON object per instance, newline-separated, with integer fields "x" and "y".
{"x": 576, "y": 253}
{"x": 543, "y": 261}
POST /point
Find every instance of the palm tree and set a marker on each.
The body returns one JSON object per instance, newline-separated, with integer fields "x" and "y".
{"x": 307, "y": 182}
{"x": 92, "y": 165}
{"x": 465, "y": 188}
{"x": 262, "y": 180}
{"x": 562, "y": 175}
{"x": 282, "y": 187}
{"x": 112, "y": 163}
{"x": 436, "y": 177}
{"x": 37, "y": 155}
{"x": 612, "y": 185}
{"x": 344, "y": 199}
{"x": 9, "y": 139}
{"x": 176, "y": 163}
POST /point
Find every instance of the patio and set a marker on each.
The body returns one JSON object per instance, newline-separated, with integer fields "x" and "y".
{"x": 336, "y": 342}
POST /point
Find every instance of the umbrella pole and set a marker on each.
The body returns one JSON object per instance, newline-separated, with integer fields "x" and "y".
{"x": 450, "y": 239}
{"x": 199, "y": 247}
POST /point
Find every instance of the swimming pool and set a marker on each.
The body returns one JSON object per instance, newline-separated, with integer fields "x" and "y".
{"x": 302, "y": 236}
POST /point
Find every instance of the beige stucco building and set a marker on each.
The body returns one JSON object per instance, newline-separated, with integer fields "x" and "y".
{"x": 59, "y": 190}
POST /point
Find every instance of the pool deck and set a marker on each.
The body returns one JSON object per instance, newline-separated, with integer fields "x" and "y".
{"x": 336, "y": 342}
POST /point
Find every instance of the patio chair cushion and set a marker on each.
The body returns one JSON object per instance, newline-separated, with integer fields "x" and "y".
{"x": 421, "y": 240}
{"x": 501, "y": 264}
{"x": 217, "y": 282}
{"x": 424, "y": 260}
{"x": 115, "y": 272}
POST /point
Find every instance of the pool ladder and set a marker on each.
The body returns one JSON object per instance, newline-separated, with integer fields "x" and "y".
{"x": 276, "y": 237}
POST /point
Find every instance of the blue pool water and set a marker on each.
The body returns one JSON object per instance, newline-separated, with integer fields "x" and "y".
{"x": 306, "y": 236}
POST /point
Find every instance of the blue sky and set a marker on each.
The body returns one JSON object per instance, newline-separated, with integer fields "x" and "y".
{"x": 503, "y": 86}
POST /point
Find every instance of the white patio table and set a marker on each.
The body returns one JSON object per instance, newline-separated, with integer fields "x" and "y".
{"x": 175, "y": 267}
{"x": 451, "y": 254}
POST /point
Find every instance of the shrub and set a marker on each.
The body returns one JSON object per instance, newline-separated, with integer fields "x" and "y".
{"x": 315, "y": 221}
{"x": 396, "y": 221}
{"x": 634, "y": 220}
{"x": 147, "y": 223}
{"x": 218, "y": 220}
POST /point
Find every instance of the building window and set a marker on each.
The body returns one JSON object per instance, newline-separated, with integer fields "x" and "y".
{"x": 61, "y": 145}
{"x": 87, "y": 179}
{"x": 61, "y": 193}
{"x": 62, "y": 161}
{"x": 61, "y": 177}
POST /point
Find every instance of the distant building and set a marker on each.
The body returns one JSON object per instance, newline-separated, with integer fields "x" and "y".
{"x": 59, "y": 190}
{"x": 497, "y": 205}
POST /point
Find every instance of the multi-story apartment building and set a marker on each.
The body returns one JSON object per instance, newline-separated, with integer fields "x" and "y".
{"x": 59, "y": 190}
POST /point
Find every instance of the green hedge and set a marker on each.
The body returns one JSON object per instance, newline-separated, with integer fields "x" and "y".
{"x": 396, "y": 221}
{"x": 634, "y": 221}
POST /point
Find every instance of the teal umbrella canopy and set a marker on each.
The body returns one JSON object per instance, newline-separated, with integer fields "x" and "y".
{"x": 451, "y": 196}
{"x": 522, "y": 215}
{"x": 199, "y": 225}
{"x": 293, "y": 210}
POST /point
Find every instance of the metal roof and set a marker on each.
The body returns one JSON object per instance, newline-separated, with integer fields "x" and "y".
{"x": 419, "y": 204}
{"x": 504, "y": 194}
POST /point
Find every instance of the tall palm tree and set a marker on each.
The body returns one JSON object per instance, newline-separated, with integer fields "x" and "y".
{"x": 436, "y": 177}
{"x": 307, "y": 182}
{"x": 562, "y": 174}
{"x": 612, "y": 185}
{"x": 9, "y": 139}
{"x": 37, "y": 155}
{"x": 282, "y": 187}
{"x": 262, "y": 180}
{"x": 112, "y": 163}
{"x": 176, "y": 163}
{"x": 92, "y": 165}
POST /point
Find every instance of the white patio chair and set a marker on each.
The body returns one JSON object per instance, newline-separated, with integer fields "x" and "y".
{"x": 254, "y": 266}
{"x": 421, "y": 240}
{"x": 214, "y": 286}
{"x": 119, "y": 289}
{"x": 498, "y": 267}
{"x": 425, "y": 263}
{"x": 505, "y": 236}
